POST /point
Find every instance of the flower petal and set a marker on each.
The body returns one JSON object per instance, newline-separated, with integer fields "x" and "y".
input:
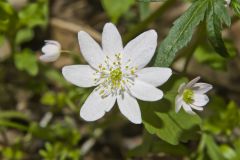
{"x": 145, "y": 91}
{"x": 129, "y": 107}
{"x": 202, "y": 88}
{"x": 90, "y": 49}
{"x": 49, "y": 58}
{"x": 196, "y": 107}
{"x": 192, "y": 82}
{"x": 80, "y": 75}
{"x": 95, "y": 106}
{"x": 178, "y": 103}
{"x": 181, "y": 88}
{"x": 141, "y": 49}
{"x": 51, "y": 49}
{"x": 111, "y": 40}
{"x": 155, "y": 76}
{"x": 188, "y": 108}
{"x": 200, "y": 99}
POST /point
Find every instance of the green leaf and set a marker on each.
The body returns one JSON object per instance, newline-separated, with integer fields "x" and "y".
{"x": 181, "y": 33}
{"x": 212, "y": 148}
{"x": 24, "y": 35}
{"x": 235, "y": 4}
{"x": 26, "y": 61}
{"x": 228, "y": 152}
{"x": 217, "y": 15}
{"x": 152, "y": 145}
{"x": 8, "y": 123}
{"x": 160, "y": 118}
{"x": 8, "y": 17}
{"x": 49, "y": 98}
{"x": 34, "y": 14}
{"x": 115, "y": 9}
{"x": 144, "y": 10}
{"x": 12, "y": 114}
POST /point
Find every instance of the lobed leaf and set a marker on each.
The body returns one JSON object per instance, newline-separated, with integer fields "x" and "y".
{"x": 181, "y": 33}
{"x": 217, "y": 15}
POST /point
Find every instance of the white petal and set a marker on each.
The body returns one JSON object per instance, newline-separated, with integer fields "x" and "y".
{"x": 49, "y": 58}
{"x": 200, "y": 99}
{"x": 90, "y": 49}
{"x": 196, "y": 107}
{"x": 155, "y": 76}
{"x": 145, "y": 91}
{"x": 141, "y": 49}
{"x": 80, "y": 75}
{"x": 192, "y": 82}
{"x": 188, "y": 108}
{"x": 178, "y": 103}
{"x": 95, "y": 106}
{"x": 111, "y": 40}
{"x": 52, "y": 48}
{"x": 181, "y": 88}
{"x": 202, "y": 88}
{"x": 53, "y": 42}
{"x": 129, "y": 107}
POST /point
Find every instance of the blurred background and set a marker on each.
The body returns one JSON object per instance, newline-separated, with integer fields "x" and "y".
{"x": 39, "y": 110}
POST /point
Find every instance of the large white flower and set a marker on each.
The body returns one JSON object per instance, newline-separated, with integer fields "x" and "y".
{"x": 118, "y": 73}
{"x": 192, "y": 96}
{"x": 51, "y": 50}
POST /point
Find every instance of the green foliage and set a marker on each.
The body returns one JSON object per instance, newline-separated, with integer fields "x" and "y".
{"x": 35, "y": 14}
{"x": 26, "y": 61}
{"x": 216, "y": 15}
{"x": 115, "y": 9}
{"x": 235, "y": 4}
{"x": 152, "y": 145}
{"x": 59, "y": 151}
{"x": 181, "y": 33}
{"x": 161, "y": 119}
{"x": 206, "y": 55}
{"x": 10, "y": 153}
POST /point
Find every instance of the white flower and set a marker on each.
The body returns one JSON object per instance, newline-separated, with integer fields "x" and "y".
{"x": 192, "y": 96}
{"x": 227, "y": 2}
{"x": 118, "y": 73}
{"x": 51, "y": 50}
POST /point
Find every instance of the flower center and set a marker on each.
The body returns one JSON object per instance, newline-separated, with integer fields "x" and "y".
{"x": 188, "y": 96}
{"x": 116, "y": 77}
{"x": 113, "y": 77}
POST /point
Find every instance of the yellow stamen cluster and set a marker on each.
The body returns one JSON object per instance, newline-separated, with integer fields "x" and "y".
{"x": 112, "y": 77}
{"x": 188, "y": 96}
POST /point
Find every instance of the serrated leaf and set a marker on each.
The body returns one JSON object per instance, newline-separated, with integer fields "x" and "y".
{"x": 181, "y": 33}
{"x": 214, "y": 26}
{"x": 160, "y": 118}
{"x": 220, "y": 10}
{"x": 235, "y": 4}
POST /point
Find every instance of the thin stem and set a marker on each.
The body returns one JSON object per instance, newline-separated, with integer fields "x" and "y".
{"x": 142, "y": 25}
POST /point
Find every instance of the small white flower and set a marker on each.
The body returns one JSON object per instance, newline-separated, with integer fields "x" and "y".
{"x": 227, "y": 2}
{"x": 51, "y": 50}
{"x": 118, "y": 73}
{"x": 192, "y": 96}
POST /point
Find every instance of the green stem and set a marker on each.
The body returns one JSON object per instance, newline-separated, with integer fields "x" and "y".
{"x": 142, "y": 25}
